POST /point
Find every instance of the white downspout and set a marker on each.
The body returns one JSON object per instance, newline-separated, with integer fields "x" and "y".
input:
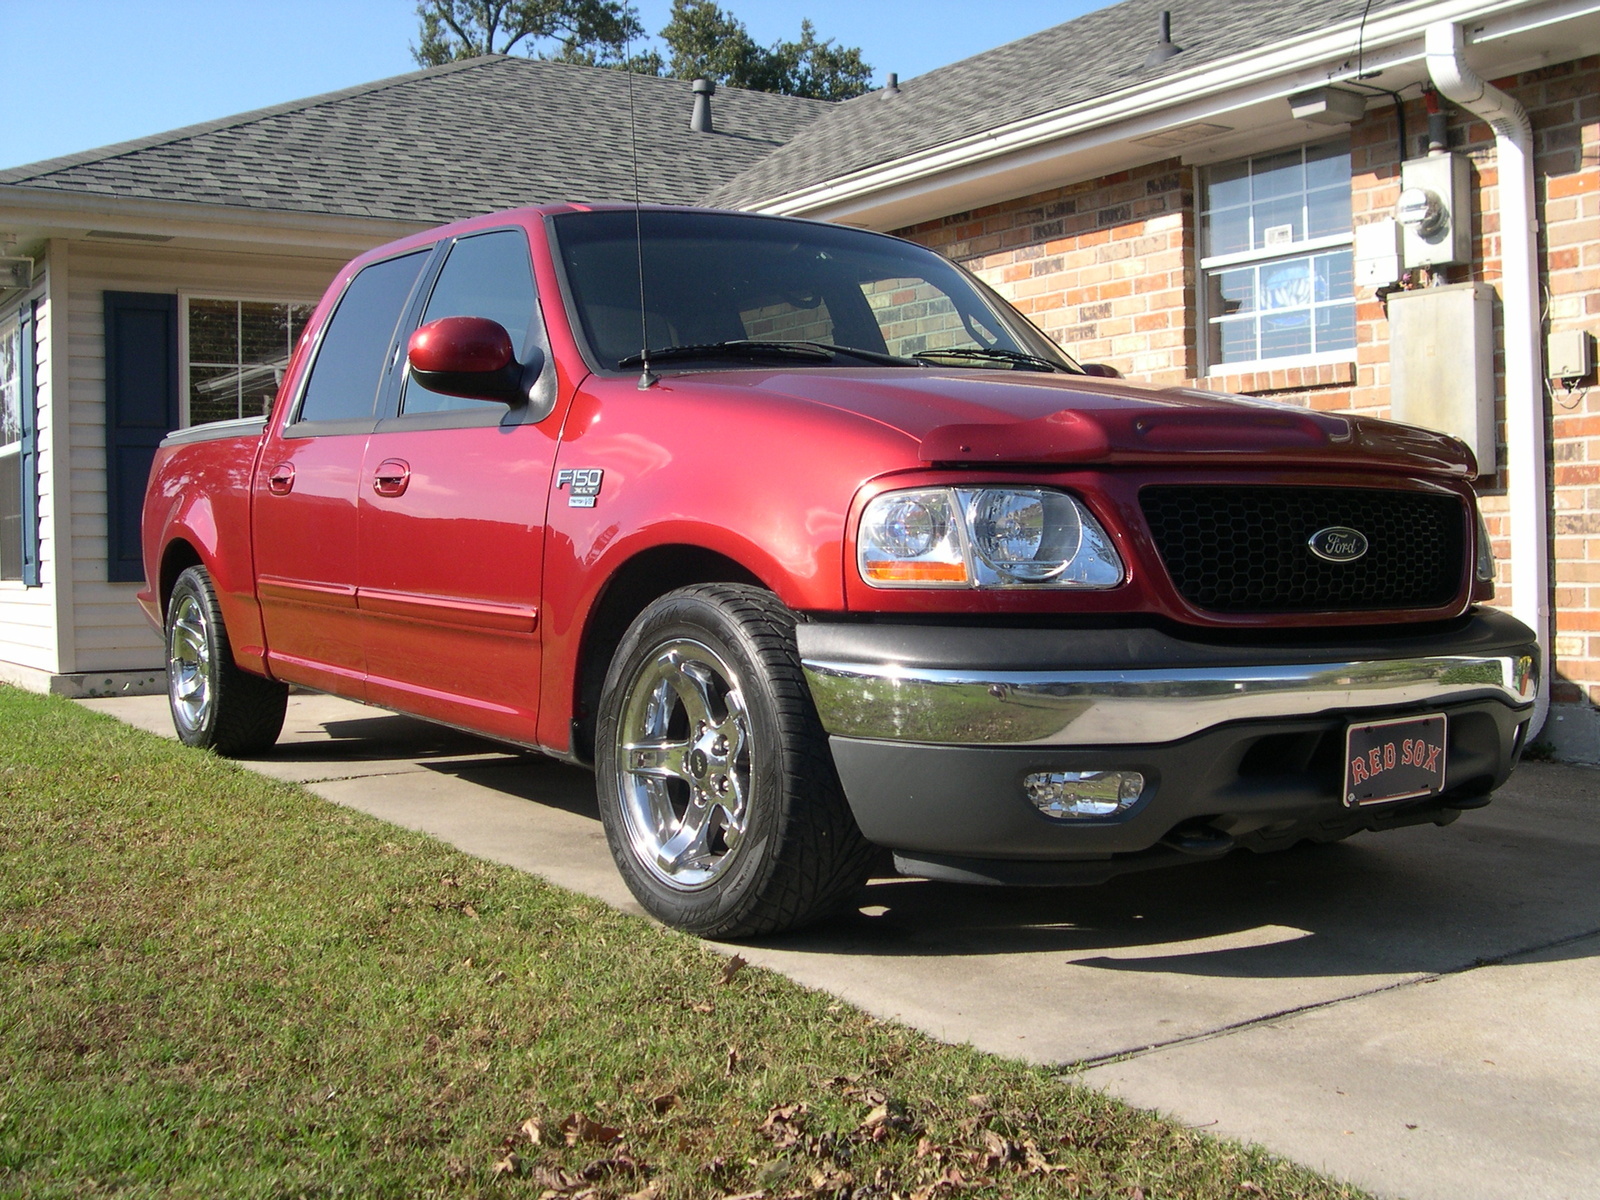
{"x": 1519, "y": 296}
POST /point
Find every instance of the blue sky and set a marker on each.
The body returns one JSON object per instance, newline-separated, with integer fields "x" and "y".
{"x": 85, "y": 73}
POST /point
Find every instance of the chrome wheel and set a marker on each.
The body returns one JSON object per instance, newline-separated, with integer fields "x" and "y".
{"x": 716, "y": 785}
{"x": 684, "y": 754}
{"x": 191, "y": 671}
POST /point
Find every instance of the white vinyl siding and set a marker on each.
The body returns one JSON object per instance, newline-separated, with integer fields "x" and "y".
{"x": 109, "y": 631}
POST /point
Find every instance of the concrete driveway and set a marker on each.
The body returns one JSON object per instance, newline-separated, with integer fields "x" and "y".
{"x": 1417, "y": 1012}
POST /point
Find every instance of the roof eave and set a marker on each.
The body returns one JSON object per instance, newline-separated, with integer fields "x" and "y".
{"x": 1063, "y": 143}
{"x": 55, "y": 212}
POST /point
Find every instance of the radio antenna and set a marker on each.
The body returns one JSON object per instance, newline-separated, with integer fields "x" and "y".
{"x": 647, "y": 378}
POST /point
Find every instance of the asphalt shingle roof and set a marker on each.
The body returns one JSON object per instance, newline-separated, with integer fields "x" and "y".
{"x": 1096, "y": 55}
{"x": 444, "y": 143}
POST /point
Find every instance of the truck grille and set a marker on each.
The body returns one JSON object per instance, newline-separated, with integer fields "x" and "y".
{"x": 1245, "y": 549}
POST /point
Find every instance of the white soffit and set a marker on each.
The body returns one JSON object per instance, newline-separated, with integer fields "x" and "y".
{"x": 35, "y": 214}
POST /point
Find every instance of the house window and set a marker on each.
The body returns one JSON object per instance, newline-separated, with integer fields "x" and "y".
{"x": 237, "y": 351}
{"x": 18, "y": 531}
{"x": 1276, "y": 265}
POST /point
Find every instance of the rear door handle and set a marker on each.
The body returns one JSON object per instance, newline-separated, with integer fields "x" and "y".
{"x": 280, "y": 480}
{"x": 391, "y": 477}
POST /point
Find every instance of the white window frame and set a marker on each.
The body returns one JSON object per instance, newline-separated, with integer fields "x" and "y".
{"x": 11, "y": 320}
{"x": 184, "y": 364}
{"x": 1217, "y": 262}
{"x": 28, "y": 429}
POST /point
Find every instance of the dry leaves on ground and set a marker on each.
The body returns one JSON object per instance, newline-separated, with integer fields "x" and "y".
{"x": 786, "y": 1125}
{"x": 579, "y": 1128}
{"x": 664, "y": 1103}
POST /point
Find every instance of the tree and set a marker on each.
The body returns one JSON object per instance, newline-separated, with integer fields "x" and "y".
{"x": 706, "y": 41}
{"x": 821, "y": 70}
{"x": 701, "y": 40}
{"x": 596, "y": 32}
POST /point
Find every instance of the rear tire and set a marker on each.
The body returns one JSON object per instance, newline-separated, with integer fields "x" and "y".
{"x": 716, "y": 786}
{"x": 215, "y": 705}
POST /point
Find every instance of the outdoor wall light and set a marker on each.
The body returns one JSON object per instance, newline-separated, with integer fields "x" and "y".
{"x": 16, "y": 272}
{"x": 1328, "y": 106}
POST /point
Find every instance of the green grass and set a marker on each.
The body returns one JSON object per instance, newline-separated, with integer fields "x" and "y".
{"x": 212, "y": 984}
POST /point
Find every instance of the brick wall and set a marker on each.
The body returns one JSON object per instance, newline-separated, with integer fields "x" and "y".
{"x": 1108, "y": 268}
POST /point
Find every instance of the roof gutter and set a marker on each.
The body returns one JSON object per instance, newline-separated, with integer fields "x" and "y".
{"x": 1293, "y": 65}
{"x": 1523, "y": 328}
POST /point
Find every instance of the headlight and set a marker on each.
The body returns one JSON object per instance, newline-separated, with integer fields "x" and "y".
{"x": 912, "y": 539}
{"x": 1000, "y": 537}
{"x": 1485, "y": 568}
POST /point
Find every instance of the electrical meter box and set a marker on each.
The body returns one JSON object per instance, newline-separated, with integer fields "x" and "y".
{"x": 1434, "y": 212}
{"x": 1441, "y": 364}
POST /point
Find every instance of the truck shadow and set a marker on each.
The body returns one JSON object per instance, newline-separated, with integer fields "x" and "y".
{"x": 1512, "y": 878}
{"x": 1412, "y": 901}
{"x": 386, "y": 735}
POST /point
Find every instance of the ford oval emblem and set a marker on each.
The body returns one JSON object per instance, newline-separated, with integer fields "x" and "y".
{"x": 1338, "y": 544}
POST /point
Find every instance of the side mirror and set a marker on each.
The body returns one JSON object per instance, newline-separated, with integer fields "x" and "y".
{"x": 1104, "y": 370}
{"x": 470, "y": 357}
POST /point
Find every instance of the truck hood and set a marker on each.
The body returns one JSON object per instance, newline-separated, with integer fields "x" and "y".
{"x": 1021, "y": 418}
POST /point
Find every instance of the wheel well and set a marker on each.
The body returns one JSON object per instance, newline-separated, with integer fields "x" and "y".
{"x": 641, "y": 580}
{"x": 177, "y": 558}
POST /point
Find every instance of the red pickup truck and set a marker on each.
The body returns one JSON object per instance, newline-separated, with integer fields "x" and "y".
{"x": 813, "y": 546}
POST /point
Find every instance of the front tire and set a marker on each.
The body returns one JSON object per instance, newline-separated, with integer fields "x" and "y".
{"x": 215, "y": 705}
{"x": 718, "y": 794}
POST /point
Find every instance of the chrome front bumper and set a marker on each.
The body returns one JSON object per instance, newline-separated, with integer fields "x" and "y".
{"x": 968, "y": 686}
{"x": 1138, "y": 707}
{"x": 935, "y": 729}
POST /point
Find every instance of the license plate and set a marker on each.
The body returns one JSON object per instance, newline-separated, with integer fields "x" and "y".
{"x": 1394, "y": 760}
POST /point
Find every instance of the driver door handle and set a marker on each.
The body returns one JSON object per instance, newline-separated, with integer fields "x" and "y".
{"x": 280, "y": 480}
{"x": 391, "y": 477}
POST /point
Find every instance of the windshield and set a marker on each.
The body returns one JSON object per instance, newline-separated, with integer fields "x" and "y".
{"x": 732, "y": 289}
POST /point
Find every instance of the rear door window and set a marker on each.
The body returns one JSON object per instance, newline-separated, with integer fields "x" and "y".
{"x": 349, "y": 366}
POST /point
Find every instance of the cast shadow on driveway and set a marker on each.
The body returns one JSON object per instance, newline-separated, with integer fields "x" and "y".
{"x": 1514, "y": 877}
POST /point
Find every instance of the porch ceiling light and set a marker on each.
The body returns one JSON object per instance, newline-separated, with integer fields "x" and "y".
{"x": 16, "y": 272}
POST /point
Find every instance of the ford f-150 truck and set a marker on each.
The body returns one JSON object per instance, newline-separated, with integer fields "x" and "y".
{"x": 812, "y": 546}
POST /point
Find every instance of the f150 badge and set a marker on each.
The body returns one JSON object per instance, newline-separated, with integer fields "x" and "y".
{"x": 583, "y": 484}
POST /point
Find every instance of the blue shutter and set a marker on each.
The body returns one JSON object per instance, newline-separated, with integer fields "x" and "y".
{"x": 141, "y": 409}
{"x": 28, "y": 401}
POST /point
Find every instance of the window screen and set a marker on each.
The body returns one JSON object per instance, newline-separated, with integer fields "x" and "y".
{"x": 1277, "y": 270}
{"x": 238, "y": 350}
{"x": 486, "y": 275}
{"x": 349, "y": 366}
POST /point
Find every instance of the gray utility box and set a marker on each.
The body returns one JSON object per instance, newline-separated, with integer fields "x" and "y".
{"x": 1441, "y": 364}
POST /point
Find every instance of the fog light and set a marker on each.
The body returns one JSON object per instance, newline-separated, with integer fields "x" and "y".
{"x": 1063, "y": 794}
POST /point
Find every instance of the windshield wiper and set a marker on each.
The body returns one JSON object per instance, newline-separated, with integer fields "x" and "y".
{"x": 872, "y": 356}
{"x": 731, "y": 349}
{"x": 1016, "y": 358}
